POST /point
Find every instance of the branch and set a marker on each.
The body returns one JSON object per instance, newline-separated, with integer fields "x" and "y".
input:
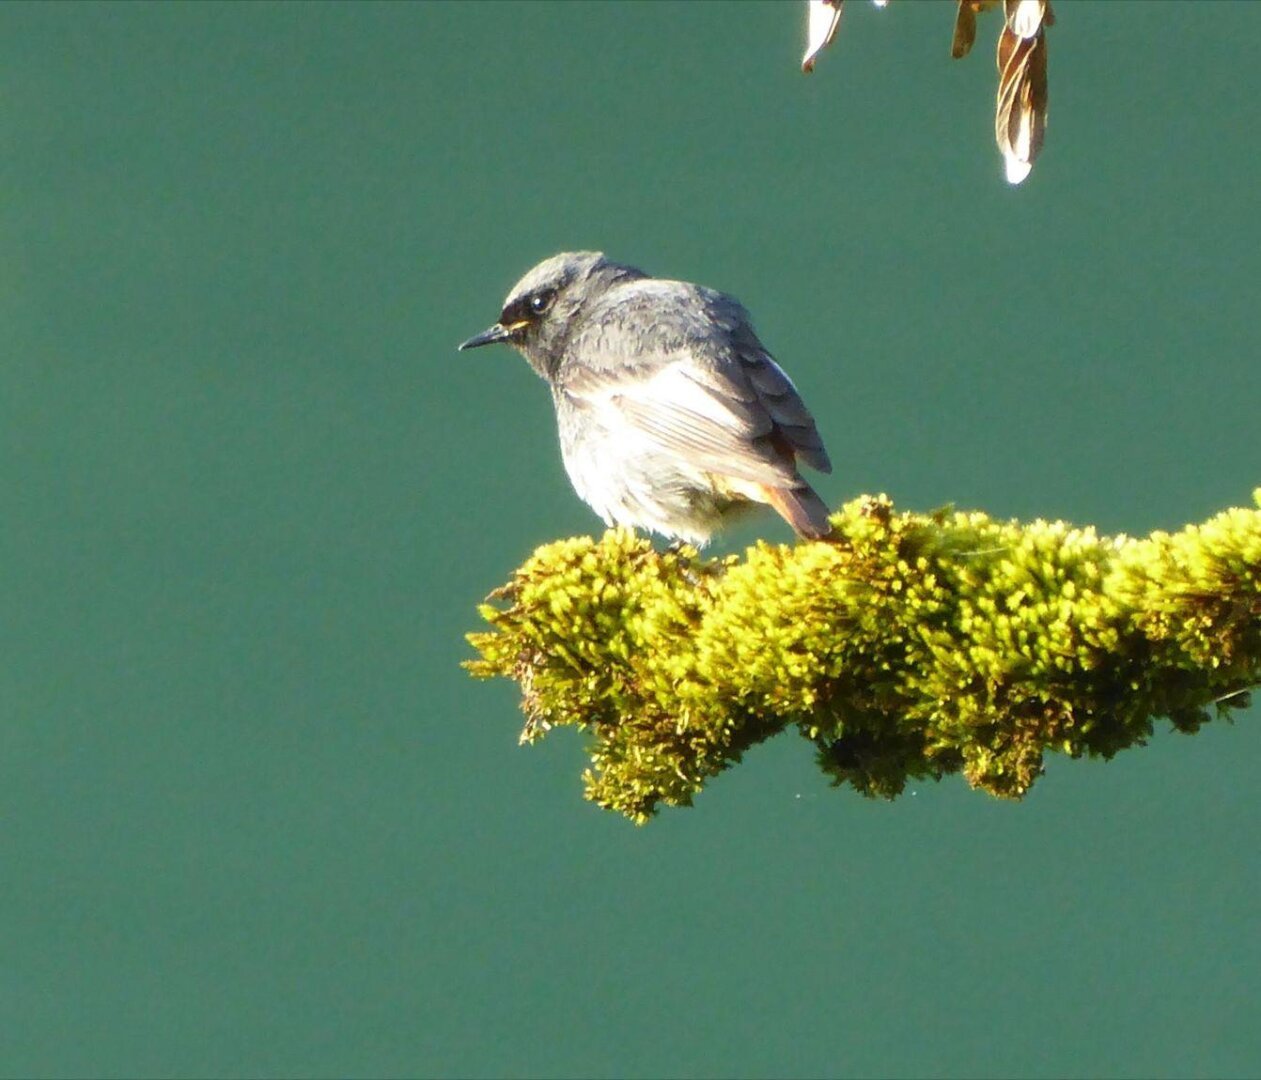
{"x": 914, "y": 646}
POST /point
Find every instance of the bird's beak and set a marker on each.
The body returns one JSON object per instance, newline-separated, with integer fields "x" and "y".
{"x": 498, "y": 332}
{"x": 491, "y": 336}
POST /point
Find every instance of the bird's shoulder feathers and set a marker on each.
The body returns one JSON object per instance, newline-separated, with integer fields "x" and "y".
{"x": 684, "y": 365}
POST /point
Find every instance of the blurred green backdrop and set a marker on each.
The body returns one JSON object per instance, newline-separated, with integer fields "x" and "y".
{"x": 254, "y": 819}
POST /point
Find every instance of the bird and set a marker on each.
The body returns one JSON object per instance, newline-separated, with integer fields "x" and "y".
{"x": 673, "y": 416}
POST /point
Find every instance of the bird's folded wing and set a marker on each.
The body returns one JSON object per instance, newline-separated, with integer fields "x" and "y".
{"x": 730, "y": 419}
{"x": 778, "y": 396}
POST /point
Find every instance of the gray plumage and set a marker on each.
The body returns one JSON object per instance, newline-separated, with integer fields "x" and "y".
{"x": 672, "y": 414}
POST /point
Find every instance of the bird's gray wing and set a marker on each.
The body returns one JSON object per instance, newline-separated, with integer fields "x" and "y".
{"x": 686, "y": 371}
{"x": 778, "y": 396}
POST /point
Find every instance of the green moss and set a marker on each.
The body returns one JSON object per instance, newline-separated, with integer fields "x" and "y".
{"x": 911, "y": 646}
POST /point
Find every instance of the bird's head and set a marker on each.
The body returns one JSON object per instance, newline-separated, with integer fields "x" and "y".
{"x": 541, "y": 309}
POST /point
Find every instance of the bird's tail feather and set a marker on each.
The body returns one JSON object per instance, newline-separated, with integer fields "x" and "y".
{"x": 802, "y": 508}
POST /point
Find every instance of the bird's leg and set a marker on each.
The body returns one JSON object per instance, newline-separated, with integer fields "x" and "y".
{"x": 677, "y": 549}
{"x": 694, "y": 572}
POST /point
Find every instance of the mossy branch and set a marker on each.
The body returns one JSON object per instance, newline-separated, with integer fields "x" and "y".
{"x": 913, "y": 646}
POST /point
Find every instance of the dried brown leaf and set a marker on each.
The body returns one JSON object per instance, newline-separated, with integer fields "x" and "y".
{"x": 965, "y": 25}
{"x": 965, "y": 30}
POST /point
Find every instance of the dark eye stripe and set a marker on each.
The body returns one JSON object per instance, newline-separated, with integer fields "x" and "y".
{"x": 516, "y": 311}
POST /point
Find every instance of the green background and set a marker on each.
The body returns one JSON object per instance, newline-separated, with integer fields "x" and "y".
{"x": 255, "y": 820}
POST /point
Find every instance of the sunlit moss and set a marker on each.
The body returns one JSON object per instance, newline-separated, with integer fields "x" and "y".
{"x": 913, "y": 646}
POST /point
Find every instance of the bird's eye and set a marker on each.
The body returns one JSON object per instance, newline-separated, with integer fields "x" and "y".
{"x": 540, "y": 302}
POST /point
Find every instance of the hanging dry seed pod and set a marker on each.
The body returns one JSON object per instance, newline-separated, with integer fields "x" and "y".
{"x": 1020, "y": 113}
{"x": 823, "y": 19}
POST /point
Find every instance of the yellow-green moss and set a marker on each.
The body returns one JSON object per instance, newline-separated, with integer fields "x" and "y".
{"x": 911, "y": 646}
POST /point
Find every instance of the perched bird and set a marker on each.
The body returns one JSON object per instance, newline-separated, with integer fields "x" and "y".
{"x": 672, "y": 414}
